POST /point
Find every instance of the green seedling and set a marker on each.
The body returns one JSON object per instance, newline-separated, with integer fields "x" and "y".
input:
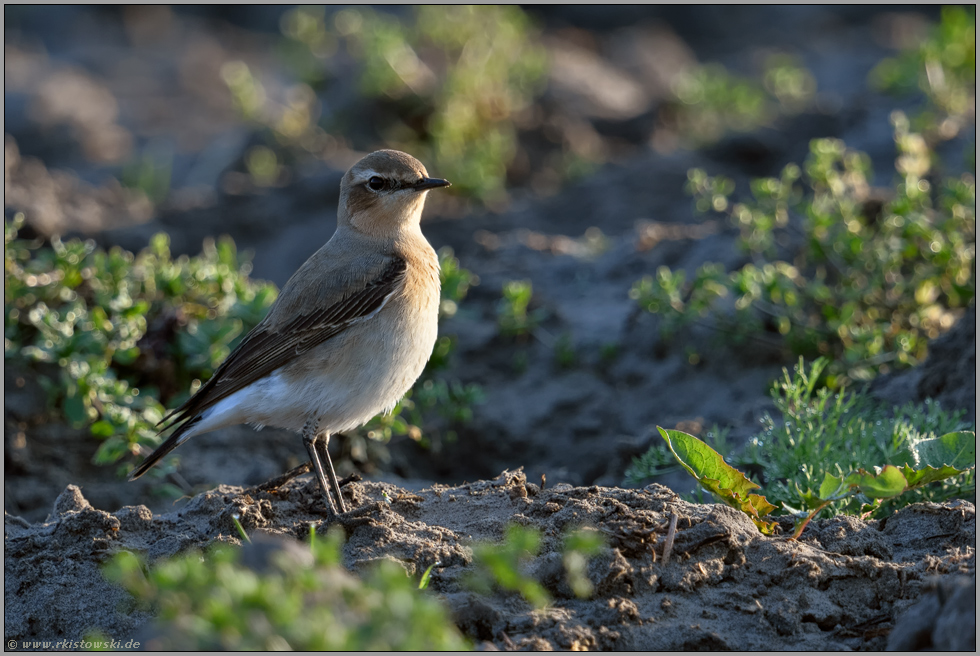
{"x": 427, "y": 575}
{"x": 502, "y": 565}
{"x": 456, "y": 282}
{"x": 821, "y": 455}
{"x": 212, "y": 601}
{"x": 236, "y": 520}
{"x": 718, "y": 477}
{"x": 565, "y": 355}
{"x": 514, "y": 318}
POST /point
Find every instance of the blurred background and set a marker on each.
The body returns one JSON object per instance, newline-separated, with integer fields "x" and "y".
{"x": 568, "y": 133}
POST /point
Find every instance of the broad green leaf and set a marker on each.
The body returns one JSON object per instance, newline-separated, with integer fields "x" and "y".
{"x": 103, "y": 428}
{"x": 958, "y": 450}
{"x": 885, "y": 485}
{"x": 703, "y": 462}
{"x": 831, "y": 487}
{"x": 714, "y": 474}
{"x": 917, "y": 477}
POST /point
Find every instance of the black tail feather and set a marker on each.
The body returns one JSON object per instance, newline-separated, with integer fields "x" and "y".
{"x": 172, "y": 443}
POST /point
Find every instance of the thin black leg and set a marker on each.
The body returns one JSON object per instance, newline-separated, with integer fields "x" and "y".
{"x": 321, "y": 446}
{"x": 310, "y": 436}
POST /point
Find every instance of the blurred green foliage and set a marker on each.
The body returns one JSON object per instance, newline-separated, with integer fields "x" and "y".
{"x": 944, "y": 68}
{"x": 822, "y": 432}
{"x": 213, "y": 601}
{"x": 514, "y": 316}
{"x": 111, "y": 332}
{"x": 503, "y": 565}
{"x": 453, "y": 77}
{"x": 150, "y": 173}
{"x": 710, "y": 101}
{"x": 834, "y": 270}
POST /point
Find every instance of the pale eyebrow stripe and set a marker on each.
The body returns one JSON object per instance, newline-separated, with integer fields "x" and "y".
{"x": 367, "y": 175}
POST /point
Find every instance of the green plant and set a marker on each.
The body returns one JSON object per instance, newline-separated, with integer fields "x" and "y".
{"x": 709, "y": 101}
{"x": 514, "y": 319}
{"x": 502, "y": 565}
{"x": 448, "y": 79}
{"x": 868, "y": 283}
{"x": 290, "y": 122}
{"x": 455, "y": 280}
{"x": 151, "y": 174}
{"x": 111, "y": 334}
{"x": 943, "y": 67}
{"x": 658, "y": 459}
{"x": 565, "y": 355}
{"x": 818, "y": 454}
{"x": 213, "y": 601}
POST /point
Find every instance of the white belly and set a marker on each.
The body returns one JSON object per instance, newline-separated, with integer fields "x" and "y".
{"x": 362, "y": 374}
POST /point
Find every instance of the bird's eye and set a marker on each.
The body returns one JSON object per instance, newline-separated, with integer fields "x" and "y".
{"x": 376, "y": 183}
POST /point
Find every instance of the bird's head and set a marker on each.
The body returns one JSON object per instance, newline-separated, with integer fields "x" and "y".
{"x": 384, "y": 193}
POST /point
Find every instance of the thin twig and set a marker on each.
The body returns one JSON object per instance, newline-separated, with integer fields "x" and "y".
{"x": 669, "y": 542}
{"x": 279, "y": 481}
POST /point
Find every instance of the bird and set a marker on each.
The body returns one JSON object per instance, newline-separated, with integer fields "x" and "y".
{"x": 348, "y": 335}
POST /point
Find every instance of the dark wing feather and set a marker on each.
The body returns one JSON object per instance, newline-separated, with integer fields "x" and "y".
{"x": 265, "y": 349}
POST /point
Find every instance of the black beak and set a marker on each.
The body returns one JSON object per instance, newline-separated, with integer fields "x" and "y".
{"x": 430, "y": 183}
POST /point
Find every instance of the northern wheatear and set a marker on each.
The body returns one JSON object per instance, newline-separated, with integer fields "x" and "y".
{"x": 348, "y": 335}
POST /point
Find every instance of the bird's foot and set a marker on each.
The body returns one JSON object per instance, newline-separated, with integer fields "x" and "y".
{"x": 354, "y": 518}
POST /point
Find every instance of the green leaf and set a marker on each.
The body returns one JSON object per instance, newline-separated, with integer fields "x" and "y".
{"x": 885, "y": 485}
{"x": 714, "y": 474}
{"x": 111, "y": 450}
{"x": 958, "y": 450}
{"x": 832, "y": 486}
{"x": 426, "y": 576}
{"x": 103, "y": 428}
{"x": 919, "y": 477}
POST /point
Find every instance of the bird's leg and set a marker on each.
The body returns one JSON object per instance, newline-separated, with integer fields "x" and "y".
{"x": 311, "y": 434}
{"x": 320, "y": 446}
{"x": 315, "y": 447}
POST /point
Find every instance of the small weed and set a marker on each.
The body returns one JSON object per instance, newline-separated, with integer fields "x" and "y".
{"x": 819, "y": 454}
{"x": 503, "y": 565}
{"x": 943, "y": 67}
{"x": 456, "y": 282}
{"x": 608, "y": 352}
{"x": 213, "y": 601}
{"x": 710, "y": 101}
{"x": 151, "y": 174}
{"x": 514, "y": 319}
{"x": 867, "y": 287}
{"x": 123, "y": 331}
{"x": 565, "y": 355}
{"x": 448, "y": 80}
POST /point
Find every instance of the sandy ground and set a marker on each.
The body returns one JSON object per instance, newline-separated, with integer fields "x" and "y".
{"x": 843, "y": 586}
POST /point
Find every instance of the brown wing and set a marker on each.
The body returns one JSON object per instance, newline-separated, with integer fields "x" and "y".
{"x": 267, "y": 348}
